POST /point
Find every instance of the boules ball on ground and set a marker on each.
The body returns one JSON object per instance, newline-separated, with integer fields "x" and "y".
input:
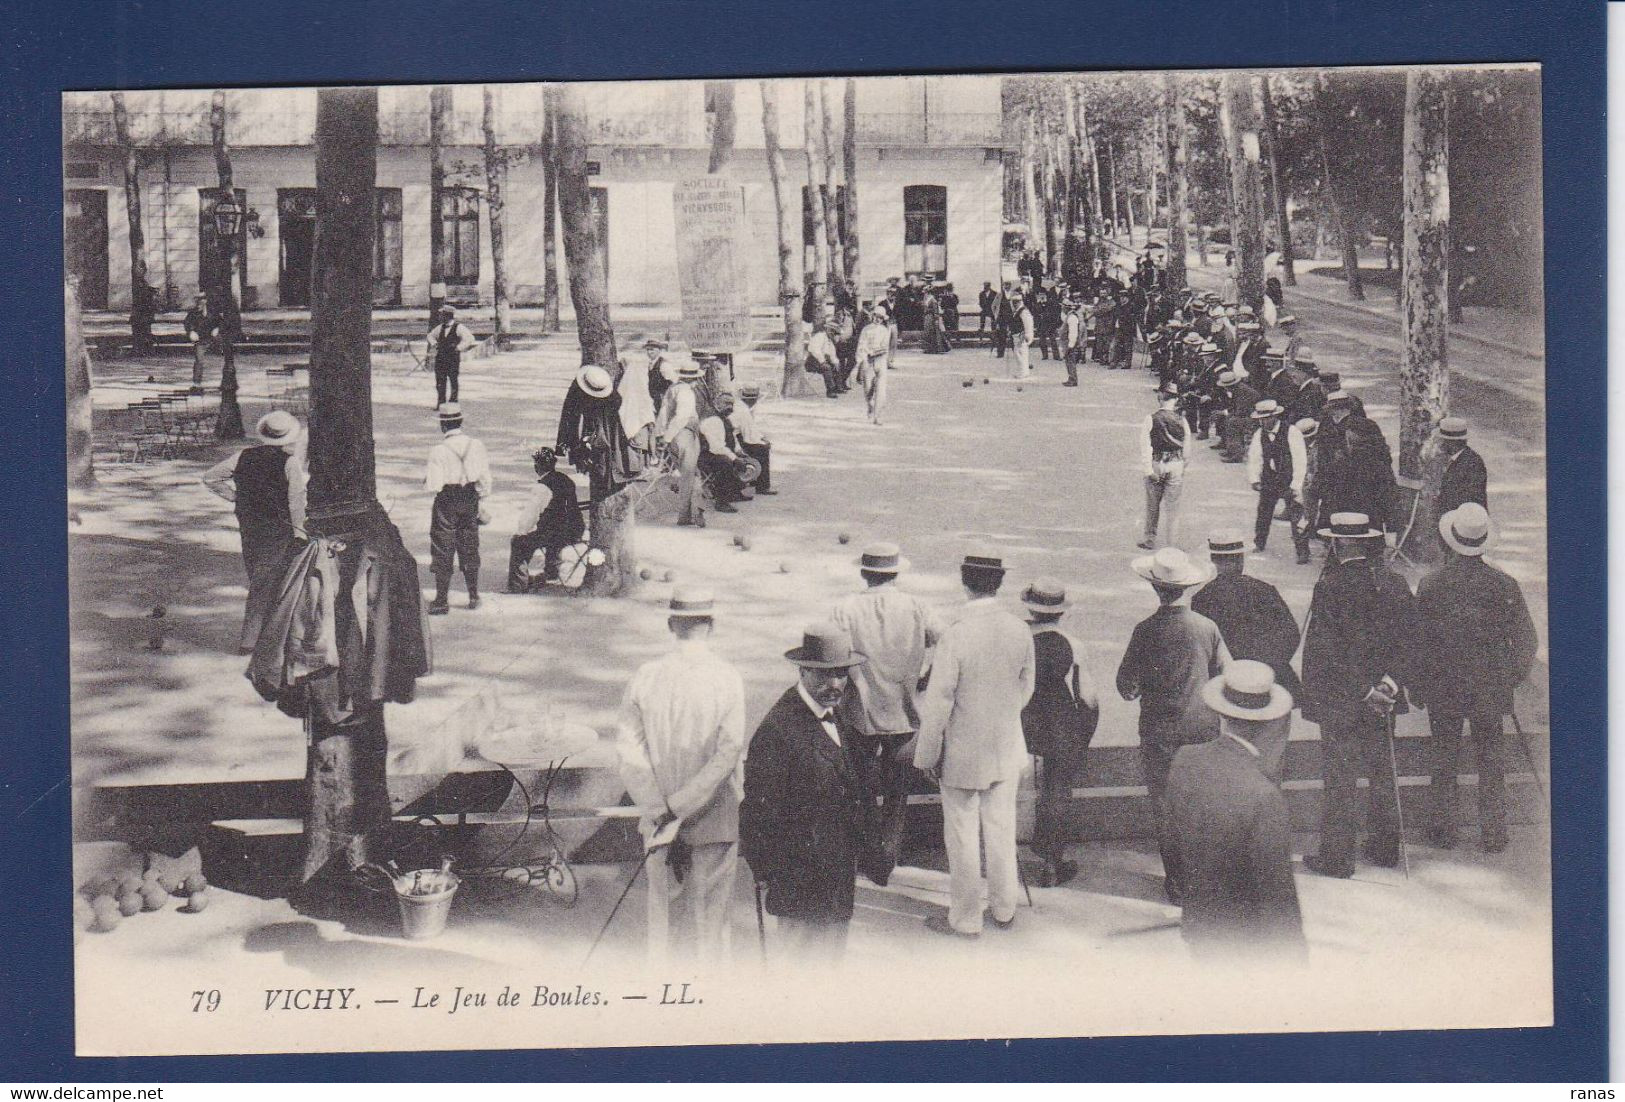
{"x": 107, "y": 914}
{"x": 129, "y": 903}
{"x": 646, "y": 574}
{"x": 196, "y": 902}
{"x": 737, "y": 539}
{"x": 668, "y": 576}
{"x": 153, "y": 897}
{"x": 784, "y": 568}
{"x": 744, "y": 543}
{"x": 844, "y": 537}
{"x": 195, "y": 883}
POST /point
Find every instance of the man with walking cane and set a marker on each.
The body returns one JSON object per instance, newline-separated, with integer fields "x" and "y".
{"x": 800, "y": 826}
{"x": 1479, "y": 642}
{"x": 1359, "y": 653}
{"x": 680, "y": 736}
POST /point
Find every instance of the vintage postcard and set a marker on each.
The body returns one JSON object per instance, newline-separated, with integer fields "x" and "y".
{"x": 817, "y": 559}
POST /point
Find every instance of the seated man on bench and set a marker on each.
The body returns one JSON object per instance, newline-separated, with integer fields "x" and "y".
{"x": 719, "y": 452}
{"x": 549, "y": 521}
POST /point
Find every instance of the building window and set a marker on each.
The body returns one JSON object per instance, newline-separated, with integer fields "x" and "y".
{"x": 807, "y": 222}
{"x": 925, "y": 230}
{"x": 460, "y": 222}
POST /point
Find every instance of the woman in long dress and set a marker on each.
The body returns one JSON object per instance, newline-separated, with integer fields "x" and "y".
{"x": 936, "y": 333}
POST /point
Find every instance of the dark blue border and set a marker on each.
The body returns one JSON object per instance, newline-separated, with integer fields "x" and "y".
{"x": 135, "y": 43}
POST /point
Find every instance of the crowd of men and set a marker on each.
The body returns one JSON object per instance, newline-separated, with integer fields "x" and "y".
{"x": 890, "y": 692}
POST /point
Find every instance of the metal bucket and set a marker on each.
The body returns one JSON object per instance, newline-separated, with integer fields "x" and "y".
{"x": 425, "y": 897}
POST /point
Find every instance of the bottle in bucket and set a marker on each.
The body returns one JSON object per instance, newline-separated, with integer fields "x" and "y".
{"x": 425, "y": 897}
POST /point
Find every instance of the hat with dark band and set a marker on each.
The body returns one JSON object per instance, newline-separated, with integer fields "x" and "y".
{"x": 1467, "y": 529}
{"x": 983, "y": 559}
{"x": 1156, "y": 338}
{"x": 882, "y": 558}
{"x": 1286, "y": 319}
{"x": 1228, "y": 542}
{"x": 1247, "y": 690}
{"x": 1453, "y": 428}
{"x": 450, "y": 411}
{"x": 1045, "y": 595}
{"x": 1308, "y": 426}
{"x": 688, "y": 371}
{"x": 1168, "y": 390}
{"x": 1349, "y": 526}
{"x": 1172, "y": 568}
{"x": 1229, "y": 378}
{"x": 1339, "y": 395}
{"x": 277, "y": 427}
{"x": 1194, "y": 339}
{"x": 1209, "y": 349}
{"x": 1266, "y": 409}
{"x": 595, "y": 381}
{"x": 825, "y": 646}
{"x": 691, "y": 603}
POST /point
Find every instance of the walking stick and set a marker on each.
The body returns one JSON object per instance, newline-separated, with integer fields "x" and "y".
{"x": 1399, "y": 808}
{"x": 1528, "y": 755}
{"x": 761, "y": 922}
{"x": 613, "y": 911}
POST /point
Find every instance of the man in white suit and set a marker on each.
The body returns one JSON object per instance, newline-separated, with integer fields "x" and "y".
{"x": 970, "y": 743}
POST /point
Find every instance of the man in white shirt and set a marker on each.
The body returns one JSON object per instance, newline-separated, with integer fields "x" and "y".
{"x": 459, "y": 477}
{"x": 748, "y": 432}
{"x": 823, "y": 358}
{"x": 1022, "y": 334}
{"x": 1277, "y": 460}
{"x": 266, "y": 485}
{"x": 874, "y": 361}
{"x": 971, "y": 744}
{"x": 1163, "y": 437}
{"x": 1074, "y": 337}
{"x": 681, "y": 739}
{"x": 444, "y": 348}
{"x": 678, "y": 428}
{"x": 893, "y": 630}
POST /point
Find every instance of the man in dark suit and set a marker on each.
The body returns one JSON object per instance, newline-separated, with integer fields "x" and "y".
{"x": 986, "y": 299}
{"x": 1479, "y": 642}
{"x": 1359, "y": 653}
{"x": 1463, "y": 478}
{"x": 1227, "y": 821}
{"x": 800, "y": 822}
{"x": 1253, "y": 618}
{"x": 1236, "y": 429}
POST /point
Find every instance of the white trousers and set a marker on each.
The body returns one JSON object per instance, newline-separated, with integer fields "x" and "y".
{"x": 974, "y": 819}
{"x": 701, "y": 902}
{"x": 1022, "y": 367}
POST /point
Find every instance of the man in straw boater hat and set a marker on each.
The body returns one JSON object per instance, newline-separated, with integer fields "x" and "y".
{"x": 459, "y": 476}
{"x": 678, "y": 428}
{"x": 265, "y": 483}
{"x": 1058, "y": 722}
{"x": 893, "y": 630}
{"x": 1478, "y": 645}
{"x": 752, "y": 440}
{"x": 1462, "y": 475}
{"x": 1228, "y": 823}
{"x": 1235, "y": 425}
{"x": 444, "y": 348}
{"x": 1252, "y": 616}
{"x": 801, "y": 821}
{"x": 874, "y": 360}
{"x": 971, "y": 744}
{"x": 1359, "y": 654}
{"x": 681, "y": 735}
{"x": 1277, "y": 461}
{"x": 1171, "y": 655}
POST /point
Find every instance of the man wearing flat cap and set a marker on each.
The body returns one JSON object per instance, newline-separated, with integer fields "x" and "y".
{"x": 1478, "y": 645}
{"x": 801, "y": 819}
{"x": 445, "y": 346}
{"x": 1359, "y": 655}
{"x": 971, "y": 744}
{"x": 893, "y": 630}
{"x": 1227, "y": 821}
{"x": 681, "y": 737}
{"x": 1171, "y": 655}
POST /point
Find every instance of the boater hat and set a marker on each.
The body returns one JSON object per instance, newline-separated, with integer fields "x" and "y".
{"x": 1349, "y": 526}
{"x": 1266, "y": 409}
{"x": 277, "y": 427}
{"x": 1228, "y": 378}
{"x": 1340, "y": 395}
{"x": 1046, "y": 595}
{"x": 1173, "y": 568}
{"x": 984, "y": 559}
{"x": 1156, "y": 338}
{"x": 883, "y": 558}
{"x": 825, "y": 647}
{"x": 1209, "y": 349}
{"x": 1308, "y": 426}
{"x": 595, "y": 381}
{"x": 1194, "y": 339}
{"x": 1467, "y": 529}
{"x": 1247, "y": 690}
{"x": 688, "y": 370}
{"x": 450, "y": 411}
{"x": 1453, "y": 428}
{"x": 1285, "y": 320}
{"x": 1228, "y": 542}
{"x": 691, "y": 603}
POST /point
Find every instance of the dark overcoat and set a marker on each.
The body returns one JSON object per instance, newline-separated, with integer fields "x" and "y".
{"x": 1255, "y": 623}
{"x": 801, "y": 819}
{"x": 1465, "y": 479}
{"x": 1478, "y": 639}
{"x": 1228, "y": 823}
{"x": 1363, "y": 626}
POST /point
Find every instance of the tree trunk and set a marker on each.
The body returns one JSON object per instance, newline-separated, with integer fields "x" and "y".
{"x": 346, "y": 789}
{"x": 142, "y": 298}
{"x": 1111, "y": 172}
{"x": 795, "y": 383}
{"x": 613, "y": 519}
{"x": 849, "y": 170}
{"x": 1175, "y": 154}
{"x": 439, "y": 116}
{"x": 1128, "y": 199}
{"x": 1029, "y": 181}
{"x": 496, "y": 178}
{"x": 1247, "y": 235}
{"x": 1046, "y": 167}
{"x": 81, "y": 469}
{"x": 721, "y": 95}
{"x": 550, "y": 213}
{"x": 815, "y": 184}
{"x": 1341, "y": 213}
{"x": 830, "y": 189}
{"x": 228, "y": 423}
{"x": 1094, "y": 165}
{"x": 1271, "y": 134}
{"x": 1425, "y": 373}
{"x": 1069, "y": 111}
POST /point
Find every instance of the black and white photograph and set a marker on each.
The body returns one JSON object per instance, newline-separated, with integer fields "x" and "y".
{"x": 834, "y": 558}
